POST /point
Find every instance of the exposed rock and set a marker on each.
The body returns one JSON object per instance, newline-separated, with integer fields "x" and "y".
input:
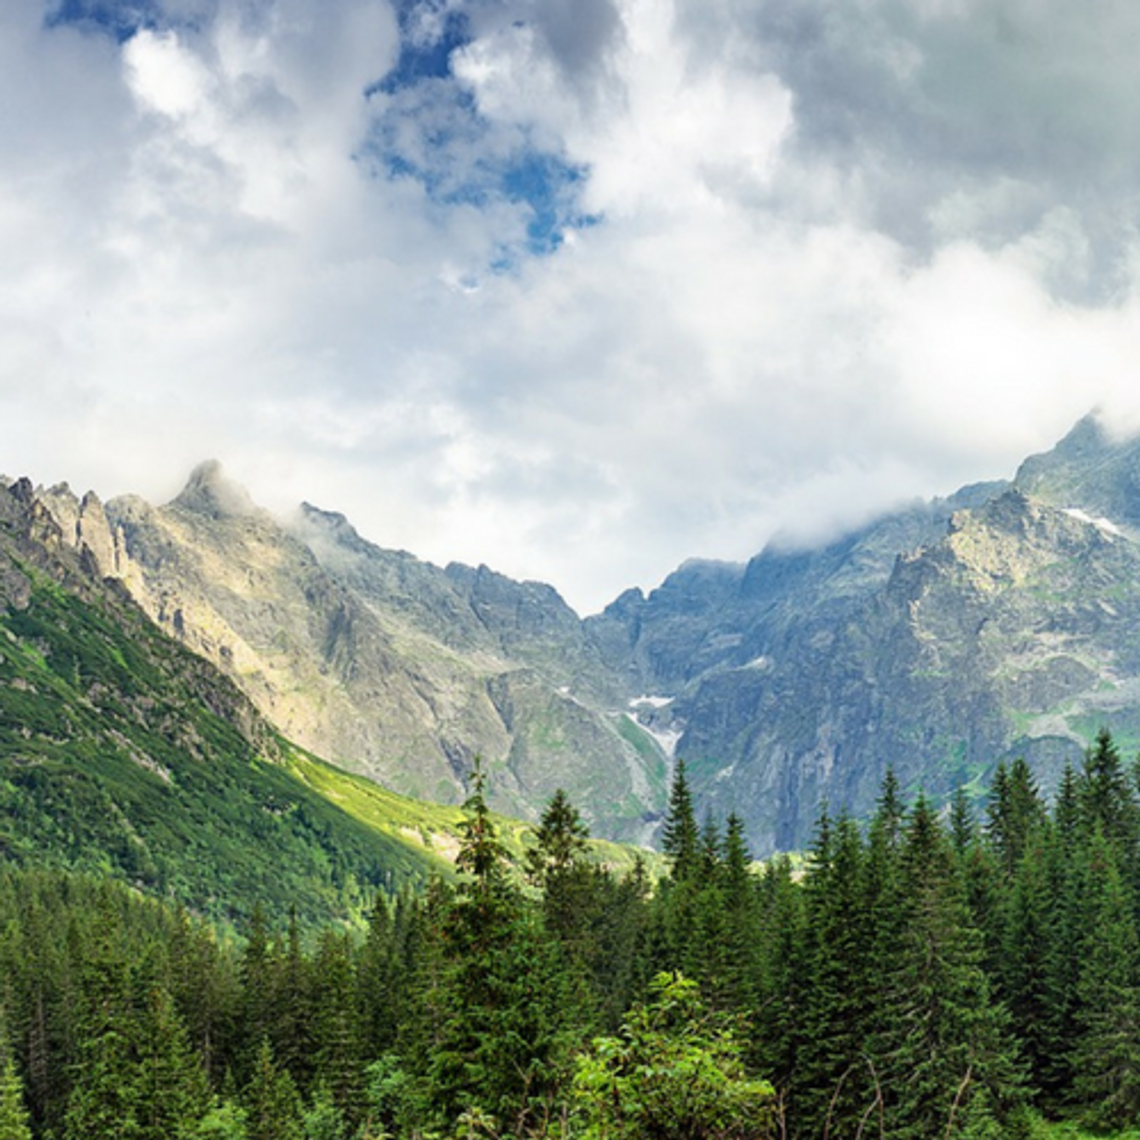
{"x": 383, "y": 663}
{"x": 210, "y": 492}
{"x": 937, "y": 640}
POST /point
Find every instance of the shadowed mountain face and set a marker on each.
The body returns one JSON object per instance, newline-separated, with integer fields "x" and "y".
{"x": 937, "y": 640}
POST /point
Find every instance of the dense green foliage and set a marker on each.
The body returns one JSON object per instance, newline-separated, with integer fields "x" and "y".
{"x": 970, "y": 976}
{"x": 121, "y": 753}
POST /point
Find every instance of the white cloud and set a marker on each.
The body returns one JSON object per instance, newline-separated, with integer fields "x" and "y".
{"x": 833, "y": 266}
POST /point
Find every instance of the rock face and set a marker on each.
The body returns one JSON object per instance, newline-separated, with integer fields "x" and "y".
{"x": 123, "y": 754}
{"x": 387, "y": 665}
{"x": 938, "y": 640}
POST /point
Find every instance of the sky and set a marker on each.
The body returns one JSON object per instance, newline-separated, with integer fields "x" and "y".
{"x": 575, "y": 288}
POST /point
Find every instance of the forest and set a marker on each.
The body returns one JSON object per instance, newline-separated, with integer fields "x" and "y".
{"x": 972, "y": 972}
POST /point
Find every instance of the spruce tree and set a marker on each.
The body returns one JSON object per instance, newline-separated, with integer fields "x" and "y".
{"x": 835, "y": 1080}
{"x": 1106, "y": 800}
{"x": 271, "y": 1101}
{"x": 739, "y": 890}
{"x": 104, "y": 1100}
{"x": 560, "y": 841}
{"x": 1027, "y": 948}
{"x": 1106, "y": 1057}
{"x": 498, "y": 1044}
{"x": 171, "y": 1090}
{"x": 557, "y": 865}
{"x": 15, "y": 1123}
{"x": 680, "y": 839}
{"x": 291, "y": 1008}
{"x": 963, "y": 827}
{"x": 946, "y": 1039}
{"x": 377, "y": 987}
{"x": 334, "y": 1032}
{"x": 1016, "y": 810}
{"x": 777, "y": 1029}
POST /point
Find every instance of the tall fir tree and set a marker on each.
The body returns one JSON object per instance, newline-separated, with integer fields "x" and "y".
{"x": 949, "y": 1061}
{"x": 271, "y": 1101}
{"x": 1106, "y": 1056}
{"x": 1106, "y": 800}
{"x": 835, "y": 1077}
{"x": 1016, "y": 811}
{"x": 15, "y": 1121}
{"x": 172, "y": 1094}
{"x": 680, "y": 838}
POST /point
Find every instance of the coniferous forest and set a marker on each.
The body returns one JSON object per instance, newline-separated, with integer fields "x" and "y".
{"x": 966, "y": 973}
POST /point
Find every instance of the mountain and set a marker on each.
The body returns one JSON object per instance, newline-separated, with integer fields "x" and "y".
{"x": 938, "y": 640}
{"x": 386, "y": 665}
{"x": 122, "y": 753}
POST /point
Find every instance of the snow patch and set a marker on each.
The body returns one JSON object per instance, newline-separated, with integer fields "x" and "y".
{"x": 666, "y": 738}
{"x": 1105, "y": 526}
{"x": 652, "y": 702}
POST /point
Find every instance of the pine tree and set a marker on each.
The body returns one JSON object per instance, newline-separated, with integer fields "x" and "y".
{"x": 171, "y": 1090}
{"x": 1069, "y": 883}
{"x": 1016, "y": 810}
{"x": 834, "y": 1082}
{"x": 291, "y": 1009}
{"x": 1105, "y": 798}
{"x": 963, "y": 828}
{"x": 104, "y": 1099}
{"x": 15, "y": 1123}
{"x": 376, "y": 981}
{"x": 256, "y": 970}
{"x": 556, "y": 864}
{"x": 741, "y": 908}
{"x": 337, "y": 1059}
{"x": 1106, "y": 1058}
{"x": 947, "y": 1039}
{"x": 1028, "y": 931}
{"x": 560, "y": 841}
{"x": 498, "y": 1043}
{"x": 680, "y": 838}
{"x": 778, "y": 1030}
{"x": 272, "y": 1104}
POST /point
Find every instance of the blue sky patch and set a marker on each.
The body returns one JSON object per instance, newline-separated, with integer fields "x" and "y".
{"x": 420, "y": 57}
{"x": 105, "y": 16}
{"x": 119, "y": 19}
{"x": 429, "y": 129}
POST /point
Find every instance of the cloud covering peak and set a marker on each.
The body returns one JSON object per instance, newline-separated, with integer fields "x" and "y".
{"x": 576, "y": 289}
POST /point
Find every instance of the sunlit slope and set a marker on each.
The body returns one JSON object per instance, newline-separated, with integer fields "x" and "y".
{"x": 435, "y": 829}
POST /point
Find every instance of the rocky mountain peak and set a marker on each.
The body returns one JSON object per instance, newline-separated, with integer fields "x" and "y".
{"x": 1088, "y": 471}
{"x": 315, "y": 525}
{"x": 211, "y": 492}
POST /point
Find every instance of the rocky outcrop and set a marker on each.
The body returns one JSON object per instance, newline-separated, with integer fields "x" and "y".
{"x": 387, "y": 665}
{"x": 939, "y": 641}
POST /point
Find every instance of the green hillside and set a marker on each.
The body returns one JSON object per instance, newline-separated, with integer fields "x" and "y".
{"x": 435, "y": 829}
{"x": 124, "y": 754}
{"x": 120, "y": 753}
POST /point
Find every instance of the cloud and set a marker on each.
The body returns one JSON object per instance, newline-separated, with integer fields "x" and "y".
{"x": 578, "y": 290}
{"x": 936, "y": 121}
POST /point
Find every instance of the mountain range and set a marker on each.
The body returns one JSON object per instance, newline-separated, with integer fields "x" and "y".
{"x": 937, "y": 640}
